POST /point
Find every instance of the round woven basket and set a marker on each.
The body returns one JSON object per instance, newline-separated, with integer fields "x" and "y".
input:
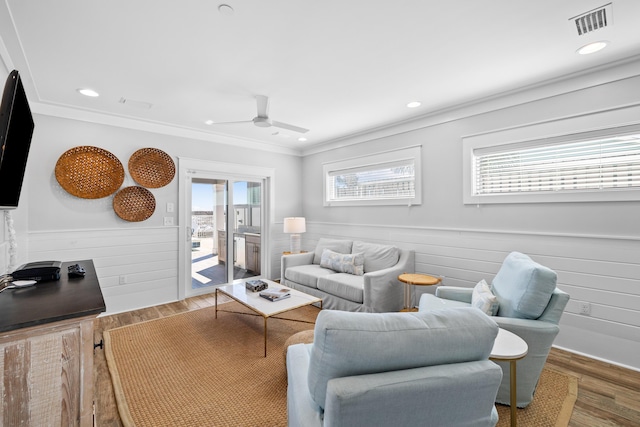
{"x": 89, "y": 172}
{"x": 151, "y": 168}
{"x": 134, "y": 203}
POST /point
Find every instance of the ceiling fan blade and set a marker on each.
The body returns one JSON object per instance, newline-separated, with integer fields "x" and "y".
{"x": 231, "y": 123}
{"x": 263, "y": 106}
{"x": 289, "y": 127}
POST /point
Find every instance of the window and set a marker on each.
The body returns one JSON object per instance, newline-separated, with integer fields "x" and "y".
{"x": 592, "y": 166}
{"x": 389, "y": 178}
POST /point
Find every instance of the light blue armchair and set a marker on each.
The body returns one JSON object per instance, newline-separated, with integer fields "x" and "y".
{"x": 395, "y": 369}
{"x": 530, "y": 306}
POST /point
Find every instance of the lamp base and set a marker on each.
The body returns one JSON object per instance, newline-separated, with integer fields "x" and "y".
{"x": 295, "y": 244}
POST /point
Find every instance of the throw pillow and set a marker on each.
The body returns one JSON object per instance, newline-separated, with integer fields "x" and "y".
{"x": 343, "y": 263}
{"x": 484, "y": 299}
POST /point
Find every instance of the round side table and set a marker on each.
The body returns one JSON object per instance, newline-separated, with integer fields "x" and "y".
{"x": 416, "y": 279}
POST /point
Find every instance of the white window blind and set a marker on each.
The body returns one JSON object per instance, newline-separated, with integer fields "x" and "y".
{"x": 602, "y": 164}
{"x": 391, "y": 181}
{"x": 386, "y": 178}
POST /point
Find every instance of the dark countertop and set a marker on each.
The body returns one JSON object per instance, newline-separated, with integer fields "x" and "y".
{"x": 52, "y": 301}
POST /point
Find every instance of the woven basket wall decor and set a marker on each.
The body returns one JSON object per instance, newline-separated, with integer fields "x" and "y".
{"x": 151, "y": 168}
{"x": 134, "y": 203}
{"x": 89, "y": 172}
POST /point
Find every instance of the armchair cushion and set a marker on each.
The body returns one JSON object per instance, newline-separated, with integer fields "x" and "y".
{"x": 347, "y": 344}
{"x": 523, "y": 287}
{"x": 376, "y": 257}
{"x": 340, "y": 246}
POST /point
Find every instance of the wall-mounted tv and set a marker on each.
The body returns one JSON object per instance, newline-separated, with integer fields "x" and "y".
{"x": 16, "y": 129}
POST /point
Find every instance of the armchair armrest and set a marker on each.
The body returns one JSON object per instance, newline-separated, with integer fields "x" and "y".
{"x": 456, "y": 293}
{"x": 382, "y": 290}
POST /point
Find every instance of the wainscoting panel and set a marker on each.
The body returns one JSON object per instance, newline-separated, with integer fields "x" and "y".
{"x": 599, "y": 271}
{"x": 136, "y": 267}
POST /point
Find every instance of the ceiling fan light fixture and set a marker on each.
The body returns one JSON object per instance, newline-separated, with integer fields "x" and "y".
{"x": 592, "y": 47}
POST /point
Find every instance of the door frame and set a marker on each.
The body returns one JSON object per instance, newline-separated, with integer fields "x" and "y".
{"x": 188, "y": 168}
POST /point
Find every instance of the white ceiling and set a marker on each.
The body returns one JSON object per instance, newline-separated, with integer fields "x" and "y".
{"x": 337, "y": 68}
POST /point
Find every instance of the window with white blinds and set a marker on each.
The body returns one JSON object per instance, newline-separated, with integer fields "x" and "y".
{"x": 569, "y": 171}
{"x": 389, "y": 178}
{"x": 609, "y": 163}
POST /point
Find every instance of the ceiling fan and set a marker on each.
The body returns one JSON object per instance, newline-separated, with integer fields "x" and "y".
{"x": 262, "y": 119}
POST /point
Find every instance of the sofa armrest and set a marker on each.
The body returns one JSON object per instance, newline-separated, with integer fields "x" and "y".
{"x": 383, "y": 292}
{"x": 455, "y": 293}
{"x": 294, "y": 260}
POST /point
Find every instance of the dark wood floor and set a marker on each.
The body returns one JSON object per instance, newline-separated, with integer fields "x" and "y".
{"x": 607, "y": 395}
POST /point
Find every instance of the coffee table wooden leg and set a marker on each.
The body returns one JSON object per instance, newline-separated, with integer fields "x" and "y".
{"x": 216, "y": 303}
{"x": 513, "y": 392}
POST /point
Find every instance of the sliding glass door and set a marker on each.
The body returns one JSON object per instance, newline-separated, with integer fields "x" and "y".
{"x": 226, "y": 231}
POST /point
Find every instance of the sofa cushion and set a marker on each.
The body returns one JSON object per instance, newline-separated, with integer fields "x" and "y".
{"x": 345, "y": 286}
{"x": 307, "y": 275}
{"x": 340, "y": 246}
{"x": 343, "y": 263}
{"x": 484, "y": 299}
{"x": 376, "y": 257}
{"x": 523, "y": 287}
{"x": 347, "y": 343}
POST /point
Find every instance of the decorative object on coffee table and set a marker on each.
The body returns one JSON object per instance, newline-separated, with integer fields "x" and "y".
{"x": 151, "y": 167}
{"x": 134, "y": 204}
{"x": 89, "y": 172}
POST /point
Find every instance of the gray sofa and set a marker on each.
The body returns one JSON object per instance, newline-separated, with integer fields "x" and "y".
{"x": 395, "y": 369}
{"x": 350, "y": 275}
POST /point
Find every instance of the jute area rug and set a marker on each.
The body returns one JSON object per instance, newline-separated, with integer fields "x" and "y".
{"x": 194, "y": 370}
{"x": 552, "y": 403}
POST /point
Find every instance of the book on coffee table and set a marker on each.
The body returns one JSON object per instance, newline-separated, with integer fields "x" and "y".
{"x": 275, "y": 294}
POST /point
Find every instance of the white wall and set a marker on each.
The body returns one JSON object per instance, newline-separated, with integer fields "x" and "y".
{"x": 64, "y": 227}
{"x": 594, "y": 247}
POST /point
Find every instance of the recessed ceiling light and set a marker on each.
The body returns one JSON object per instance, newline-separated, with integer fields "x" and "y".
{"x": 209, "y": 122}
{"x": 592, "y": 47}
{"x": 302, "y": 139}
{"x": 88, "y": 92}
{"x": 414, "y": 104}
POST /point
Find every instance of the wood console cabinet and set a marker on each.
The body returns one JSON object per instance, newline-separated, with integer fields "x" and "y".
{"x": 46, "y": 351}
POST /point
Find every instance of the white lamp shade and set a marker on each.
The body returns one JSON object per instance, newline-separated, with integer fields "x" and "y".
{"x": 295, "y": 225}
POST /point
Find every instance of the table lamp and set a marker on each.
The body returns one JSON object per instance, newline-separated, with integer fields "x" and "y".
{"x": 295, "y": 226}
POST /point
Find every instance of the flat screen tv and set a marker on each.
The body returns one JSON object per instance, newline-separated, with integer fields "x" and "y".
{"x": 16, "y": 129}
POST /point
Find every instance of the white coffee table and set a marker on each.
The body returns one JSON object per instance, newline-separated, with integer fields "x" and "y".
{"x": 508, "y": 347}
{"x": 262, "y": 306}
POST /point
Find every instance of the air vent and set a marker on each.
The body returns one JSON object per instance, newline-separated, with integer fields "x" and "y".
{"x": 593, "y": 20}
